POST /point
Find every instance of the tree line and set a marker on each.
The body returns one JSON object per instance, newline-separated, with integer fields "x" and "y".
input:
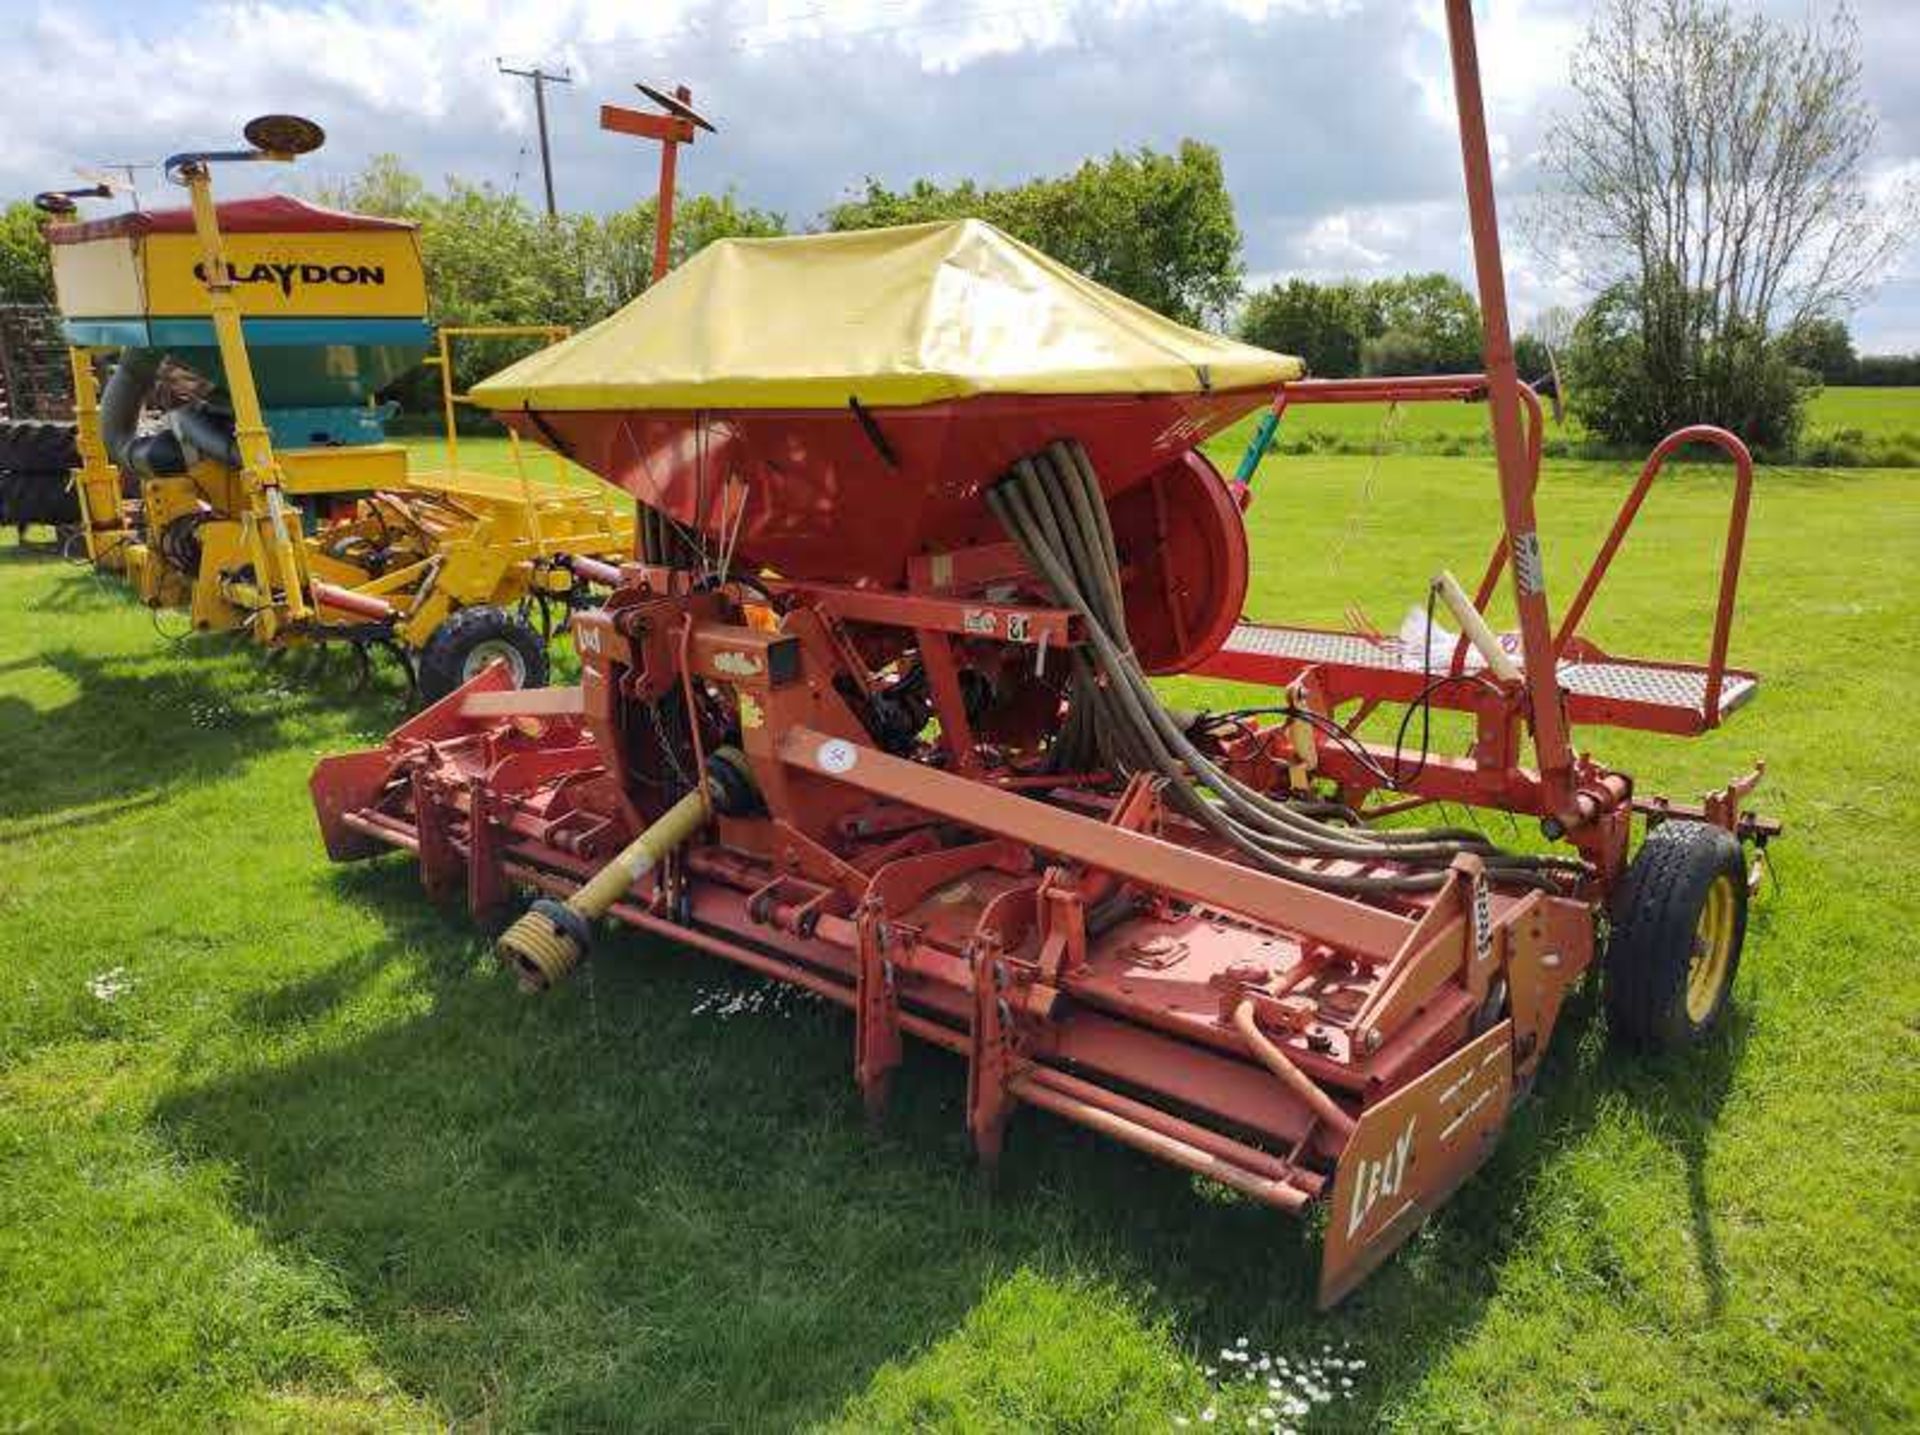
{"x": 1157, "y": 227}
{"x": 1709, "y": 186}
{"x": 1412, "y": 324}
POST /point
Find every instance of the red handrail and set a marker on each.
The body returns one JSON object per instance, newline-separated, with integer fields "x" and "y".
{"x": 1729, "y": 561}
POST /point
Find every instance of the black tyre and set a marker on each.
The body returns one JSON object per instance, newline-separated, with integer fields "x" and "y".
{"x": 55, "y": 449}
{"x": 1679, "y": 921}
{"x": 38, "y": 446}
{"x": 37, "y": 498}
{"x": 19, "y": 445}
{"x": 462, "y": 647}
{"x": 36, "y": 461}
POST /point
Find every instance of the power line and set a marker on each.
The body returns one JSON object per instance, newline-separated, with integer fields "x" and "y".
{"x": 540, "y": 79}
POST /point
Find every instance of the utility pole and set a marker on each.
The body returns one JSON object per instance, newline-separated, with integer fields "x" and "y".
{"x": 541, "y": 79}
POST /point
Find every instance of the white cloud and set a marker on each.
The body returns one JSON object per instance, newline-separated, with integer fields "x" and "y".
{"x": 1334, "y": 117}
{"x": 1380, "y": 241}
{"x": 1362, "y": 242}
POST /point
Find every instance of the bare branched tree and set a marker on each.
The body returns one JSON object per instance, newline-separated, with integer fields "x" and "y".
{"x": 1713, "y": 179}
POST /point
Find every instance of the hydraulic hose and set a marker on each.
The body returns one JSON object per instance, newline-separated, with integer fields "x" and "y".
{"x": 1052, "y": 506}
{"x": 124, "y": 397}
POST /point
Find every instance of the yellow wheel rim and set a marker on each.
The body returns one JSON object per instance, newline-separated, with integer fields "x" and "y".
{"x": 1712, "y": 950}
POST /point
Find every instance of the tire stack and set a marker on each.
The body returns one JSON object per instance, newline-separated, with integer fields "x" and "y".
{"x": 37, "y": 458}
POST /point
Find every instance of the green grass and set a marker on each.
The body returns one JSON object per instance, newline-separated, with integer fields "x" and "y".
{"x": 280, "y": 1148}
{"x": 1878, "y": 413}
{"x": 1845, "y": 428}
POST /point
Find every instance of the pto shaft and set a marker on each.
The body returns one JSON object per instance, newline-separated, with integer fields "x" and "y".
{"x": 551, "y": 937}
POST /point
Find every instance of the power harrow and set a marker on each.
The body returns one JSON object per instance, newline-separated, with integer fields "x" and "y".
{"x": 873, "y": 714}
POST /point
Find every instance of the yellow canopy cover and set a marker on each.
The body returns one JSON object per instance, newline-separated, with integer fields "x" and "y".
{"x": 908, "y": 315}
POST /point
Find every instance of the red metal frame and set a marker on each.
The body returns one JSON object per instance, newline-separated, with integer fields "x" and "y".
{"x": 670, "y": 131}
{"x": 1554, "y": 752}
{"x": 1585, "y": 802}
{"x": 1085, "y": 948}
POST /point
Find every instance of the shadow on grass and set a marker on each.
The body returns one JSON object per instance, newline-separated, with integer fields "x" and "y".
{"x": 138, "y": 727}
{"x": 83, "y": 590}
{"x": 612, "y": 1209}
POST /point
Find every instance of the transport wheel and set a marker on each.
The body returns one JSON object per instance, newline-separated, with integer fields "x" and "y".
{"x": 462, "y": 647}
{"x": 1679, "y": 920}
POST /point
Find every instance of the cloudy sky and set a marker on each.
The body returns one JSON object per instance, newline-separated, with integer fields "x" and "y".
{"x": 1332, "y": 115}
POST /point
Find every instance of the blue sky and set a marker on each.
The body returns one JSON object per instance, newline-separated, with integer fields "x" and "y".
{"x": 1331, "y": 115}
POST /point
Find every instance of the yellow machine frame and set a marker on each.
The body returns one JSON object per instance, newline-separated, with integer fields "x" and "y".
{"x": 475, "y": 539}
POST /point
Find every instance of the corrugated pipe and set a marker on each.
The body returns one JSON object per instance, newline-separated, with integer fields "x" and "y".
{"x": 124, "y": 399}
{"x": 206, "y": 434}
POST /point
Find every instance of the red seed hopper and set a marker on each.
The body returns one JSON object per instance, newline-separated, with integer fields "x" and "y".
{"x": 871, "y": 715}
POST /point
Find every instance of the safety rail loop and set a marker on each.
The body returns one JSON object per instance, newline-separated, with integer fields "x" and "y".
{"x": 1735, "y": 548}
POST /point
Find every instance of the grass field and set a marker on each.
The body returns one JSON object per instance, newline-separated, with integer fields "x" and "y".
{"x": 1843, "y": 427}
{"x": 1887, "y": 413}
{"x": 281, "y": 1149}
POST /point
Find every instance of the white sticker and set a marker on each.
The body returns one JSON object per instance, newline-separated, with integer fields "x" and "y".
{"x": 836, "y": 754}
{"x": 1527, "y": 566}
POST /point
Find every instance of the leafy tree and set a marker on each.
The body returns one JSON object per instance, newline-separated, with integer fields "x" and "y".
{"x": 1323, "y": 324}
{"x": 1543, "y": 345}
{"x": 385, "y": 187}
{"x": 623, "y": 241}
{"x": 1158, "y": 228}
{"x": 1554, "y": 326}
{"x": 1415, "y": 324}
{"x": 1432, "y": 322}
{"x": 1823, "y": 347}
{"x": 1888, "y": 370}
{"x": 1397, "y": 351}
{"x": 1712, "y": 179}
{"x": 26, "y": 271}
{"x": 1530, "y": 355}
{"x": 1608, "y": 361}
{"x": 1436, "y": 318}
{"x": 492, "y": 259}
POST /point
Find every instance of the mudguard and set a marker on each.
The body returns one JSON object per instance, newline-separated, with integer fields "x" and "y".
{"x": 1408, "y": 1154}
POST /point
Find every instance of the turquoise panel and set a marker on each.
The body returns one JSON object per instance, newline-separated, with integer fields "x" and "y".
{"x": 329, "y": 427}
{"x": 297, "y": 363}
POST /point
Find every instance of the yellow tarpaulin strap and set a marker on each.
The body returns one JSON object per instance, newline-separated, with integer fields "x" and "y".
{"x": 890, "y": 317}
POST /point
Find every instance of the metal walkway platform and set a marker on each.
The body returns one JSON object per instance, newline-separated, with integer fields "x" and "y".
{"x": 1614, "y": 692}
